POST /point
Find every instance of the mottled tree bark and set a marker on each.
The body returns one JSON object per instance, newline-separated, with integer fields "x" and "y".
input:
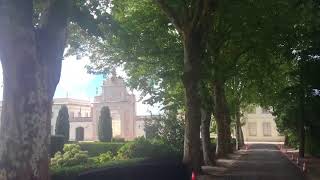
{"x": 31, "y": 59}
{"x": 208, "y": 156}
{"x": 223, "y": 120}
{"x": 192, "y": 57}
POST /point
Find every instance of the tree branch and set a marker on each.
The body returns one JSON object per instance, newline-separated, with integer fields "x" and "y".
{"x": 15, "y": 25}
{"x": 55, "y": 15}
{"x": 51, "y": 39}
{"x": 196, "y": 15}
{"x": 172, "y": 15}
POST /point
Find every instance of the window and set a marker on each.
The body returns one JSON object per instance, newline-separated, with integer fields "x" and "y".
{"x": 72, "y": 114}
{"x": 252, "y": 129}
{"x": 87, "y": 114}
{"x": 79, "y": 114}
{"x": 266, "y": 126}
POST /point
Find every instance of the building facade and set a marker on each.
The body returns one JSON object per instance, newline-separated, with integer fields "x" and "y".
{"x": 259, "y": 126}
{"x": 84, "y": 116}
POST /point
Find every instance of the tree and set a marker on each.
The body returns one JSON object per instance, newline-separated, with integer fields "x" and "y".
{"x": 33, "y": 37}
{"x": 187, "y": 22}
{"x": 31, "y": 60}
{"x": 168, "y": 127}
{"x": 234, "y": 43}
{"x": 105, "y": 125}
{"x": 295, "y": 102}
{"x": 192, "y": 20}
{"x": 62, "y": 123}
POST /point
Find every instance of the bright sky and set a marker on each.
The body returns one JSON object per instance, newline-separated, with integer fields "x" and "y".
{"x": 75, "y": 82}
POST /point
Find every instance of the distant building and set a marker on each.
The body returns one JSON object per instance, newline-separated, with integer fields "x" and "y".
{"x": 84, "y": 115}
{"x": 79, "y": 116}
{"x": 260, "y": 126}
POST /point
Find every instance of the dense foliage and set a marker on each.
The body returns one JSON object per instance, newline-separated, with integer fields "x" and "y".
{"x": 168, "y": 128}
{"x": 72, "y": 172}
{"x": 62, "y": 123}
{"x": 104, "y": 157}
{"x": 96, "y": 148}
{"x": 105, "y": 125}
{"x": 266, "y": 56}
{"x": 67, "y": 165}
{"x": 143, "y": 148}
{"x": 56, "y": 144}
{"x": 71, "y": 156}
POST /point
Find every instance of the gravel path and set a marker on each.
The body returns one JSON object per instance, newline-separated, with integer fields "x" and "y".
{"x": 262, "y": 162}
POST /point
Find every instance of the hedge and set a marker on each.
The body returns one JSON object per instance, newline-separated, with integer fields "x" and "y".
{"x": 148, "y": 170}
{"x": 144, "y": 148}
{"x": 96, "y": 148}
{"x": 72, "y": 172}
{"x": 56, "y": 144}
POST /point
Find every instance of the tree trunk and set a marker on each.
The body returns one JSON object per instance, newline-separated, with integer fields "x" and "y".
{"x": 301, "y": 129}
{"x": 31, "y": 61}
{"x": 228, "y": 124}
{"x": 241, "y": 137}
{"x": 223, "y": 123}
{"x": 192, "y": 61}
{"x": 208, "y": 156}
{"x": 238, "y": 128}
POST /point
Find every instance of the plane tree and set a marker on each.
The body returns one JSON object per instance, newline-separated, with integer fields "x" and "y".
{"x": 33, "y": 35}
{"x": 186, "y": 24}
{"x": 151, "y": 51}
{"x": 237, "y": 49}
{"x": 295, "y": 102}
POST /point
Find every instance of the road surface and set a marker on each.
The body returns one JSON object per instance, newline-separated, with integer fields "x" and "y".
{"x": 263, "y": 162}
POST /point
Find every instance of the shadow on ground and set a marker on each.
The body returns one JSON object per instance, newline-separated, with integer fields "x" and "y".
{"x": 260, "y": 162}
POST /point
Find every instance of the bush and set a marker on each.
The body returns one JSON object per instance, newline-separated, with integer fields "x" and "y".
{"x": 97, "y": 148}
{"x": 148, "y": 170}
{"x": 72, "y": 172}
{"x": 104, "y": 157}
{"x": 292, "y": 140}
{"x": 168, "y": 127}
{"x": 118, "y": 139}
{"x": 72, "y": 155}
{"x": 56, "y": 144}
{"x": 142, "y": 148}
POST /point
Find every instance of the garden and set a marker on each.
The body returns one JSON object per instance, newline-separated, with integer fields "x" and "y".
{"x": 79, "y": 157}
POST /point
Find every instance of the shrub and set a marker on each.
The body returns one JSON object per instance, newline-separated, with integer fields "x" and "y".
{"x": 72, "y": 172}
{"x": 213, "y": 140}
{"x": 62, "y": 123}
{"x": 143, "y": 148}
{"x": 105, "y": 125}
{"x": 96, "y": 148}
{"x": 72, "y": 155}
{"x": 104, "y": 157}
{"x": 56, "y": 144}
{"x": 168, "y": 127}
{"x": 118, "y": 139}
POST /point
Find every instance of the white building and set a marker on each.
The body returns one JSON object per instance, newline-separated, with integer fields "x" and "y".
{"x": 83, "y": 115}
{"x": 259, "y": 126}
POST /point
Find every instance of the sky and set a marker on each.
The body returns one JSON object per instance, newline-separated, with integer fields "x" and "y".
{"x": 75, "y": 82}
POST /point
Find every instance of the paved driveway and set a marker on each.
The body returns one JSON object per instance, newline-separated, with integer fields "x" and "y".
{"x": 263, "y": 162}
